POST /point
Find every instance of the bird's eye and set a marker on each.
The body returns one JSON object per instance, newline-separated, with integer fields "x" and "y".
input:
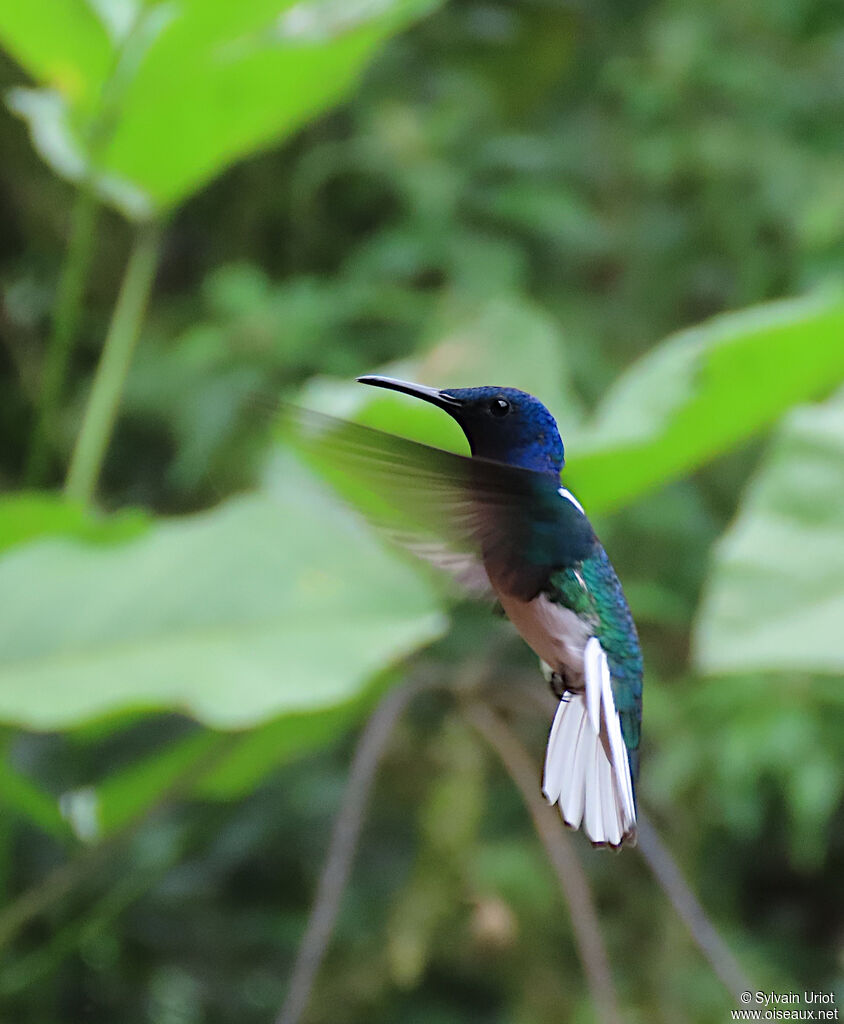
{"x": 499, "y": 407}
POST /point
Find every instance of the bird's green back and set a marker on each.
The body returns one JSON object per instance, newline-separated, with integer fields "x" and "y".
{"x": 593, "y": 591}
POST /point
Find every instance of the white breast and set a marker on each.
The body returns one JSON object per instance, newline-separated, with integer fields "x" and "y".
{"x": 555, "y": 633}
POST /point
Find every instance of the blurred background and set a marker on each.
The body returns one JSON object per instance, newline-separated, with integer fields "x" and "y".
{"x": 634, "y": 210}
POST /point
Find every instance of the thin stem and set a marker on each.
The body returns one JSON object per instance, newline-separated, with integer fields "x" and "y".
{"x": 574, "y": 885}
{"x": 113, "y": 368}
{"x": 665, "y": 870}
{"x": 341, "y": 850}
{"x": 689, "y": 910}
{"x": 77, "y": 261}
{"x": 74, "y": 274}
{"x": 29, "y": 969}
{"x": 56, "y": 885}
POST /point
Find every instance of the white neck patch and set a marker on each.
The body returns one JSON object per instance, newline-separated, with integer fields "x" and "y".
{"x": 570, "y": 497}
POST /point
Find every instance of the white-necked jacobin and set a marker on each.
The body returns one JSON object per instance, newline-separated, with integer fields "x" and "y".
{"x": 501, "y": 523}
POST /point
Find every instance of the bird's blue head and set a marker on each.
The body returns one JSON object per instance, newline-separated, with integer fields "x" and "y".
{"x": 503, "y": 424}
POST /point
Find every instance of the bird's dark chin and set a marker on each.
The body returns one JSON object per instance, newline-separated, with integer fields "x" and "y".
{"x": 441, "y": 399}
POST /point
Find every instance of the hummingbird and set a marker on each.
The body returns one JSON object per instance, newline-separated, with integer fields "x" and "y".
{"x": 502, "y": 524}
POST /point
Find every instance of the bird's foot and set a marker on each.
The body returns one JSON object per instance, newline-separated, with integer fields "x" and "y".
{"x": 559, "y": 687}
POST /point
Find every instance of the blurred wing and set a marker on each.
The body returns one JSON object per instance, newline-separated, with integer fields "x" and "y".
{"x": 479, "y": 520}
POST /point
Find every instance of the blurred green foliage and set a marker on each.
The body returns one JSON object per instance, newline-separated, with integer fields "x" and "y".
{"x": 526, "y": 193}
{"x": 207, "y": 82}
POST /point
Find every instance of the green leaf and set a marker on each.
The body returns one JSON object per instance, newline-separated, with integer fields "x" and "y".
{"x": 128, "y": 793}
{"x": 28, "y": 516}
{"x": 19, "y": 794}
{"x": 703, "y": 392}
{"x": 775, "y": 600}
{"x": 263, "y": 606}
{"x": 61, "y": 43}
{"x": 262, "y": 749}
{"x": 221, "y": 767}
{"x": 150, "y": 101}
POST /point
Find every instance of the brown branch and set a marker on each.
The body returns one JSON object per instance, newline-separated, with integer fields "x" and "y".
{"x": 342, "y": 848}
{"x": 667, "y": 873}
{"x": 574, "y": 884}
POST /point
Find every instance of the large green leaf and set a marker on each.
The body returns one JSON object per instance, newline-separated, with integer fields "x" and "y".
{"x": 153, "y": 99}
{"x": 265, "y": 605}
{"x": 704, "y": 391}
{"x": 775, "y": 601}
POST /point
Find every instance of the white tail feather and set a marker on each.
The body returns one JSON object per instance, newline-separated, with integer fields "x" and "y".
{"x": 592, "y": 655}
{"x": 587, "y": 775}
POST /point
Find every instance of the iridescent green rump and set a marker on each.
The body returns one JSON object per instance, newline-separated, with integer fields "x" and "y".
{"x": 592, "y": 590}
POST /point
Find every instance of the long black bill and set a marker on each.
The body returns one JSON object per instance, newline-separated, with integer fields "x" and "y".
{"x": 442, "y": 399}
